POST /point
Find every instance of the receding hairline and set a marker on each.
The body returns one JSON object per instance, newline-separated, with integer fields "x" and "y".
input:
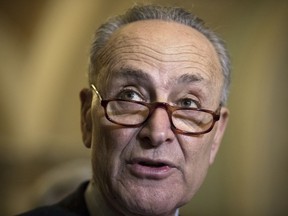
{"x": 194, "y": 42}
{"x": 165, "y": 13}
{"x": 185, "y": 28}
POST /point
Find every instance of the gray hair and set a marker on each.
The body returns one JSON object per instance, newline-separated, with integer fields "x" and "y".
{"x": 174, "y": 14}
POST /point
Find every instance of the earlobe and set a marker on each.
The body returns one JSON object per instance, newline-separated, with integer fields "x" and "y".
{"x": 86, "y": 118}
{"x": 221, "y": 126}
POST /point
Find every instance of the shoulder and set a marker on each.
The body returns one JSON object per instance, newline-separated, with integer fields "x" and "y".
{"x": 72, "y": 205}
{"x": 48, "y": 211}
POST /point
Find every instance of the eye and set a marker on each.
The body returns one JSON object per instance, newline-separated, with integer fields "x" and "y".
{"x": 188, "y": 103}
{"x": 129, "y": 94}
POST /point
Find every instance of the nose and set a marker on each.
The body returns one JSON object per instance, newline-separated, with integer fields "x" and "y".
{"x": 157, "y": 129}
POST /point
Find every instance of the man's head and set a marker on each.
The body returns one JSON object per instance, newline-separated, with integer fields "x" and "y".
{"x": 151, "y": 163}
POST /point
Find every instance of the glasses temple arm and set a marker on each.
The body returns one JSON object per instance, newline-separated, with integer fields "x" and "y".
{"x": 96, "y": 91}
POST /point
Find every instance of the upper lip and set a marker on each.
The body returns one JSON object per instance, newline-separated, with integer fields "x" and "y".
{"x": 151, "y": 162}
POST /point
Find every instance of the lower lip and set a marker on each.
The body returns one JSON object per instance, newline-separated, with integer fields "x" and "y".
{"x": 149, "y": 172}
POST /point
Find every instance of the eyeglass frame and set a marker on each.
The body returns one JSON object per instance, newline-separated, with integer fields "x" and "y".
{"x": 169, "y": 109}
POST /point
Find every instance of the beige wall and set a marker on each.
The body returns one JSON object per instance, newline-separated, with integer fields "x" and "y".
{"x": 43, "y": 61}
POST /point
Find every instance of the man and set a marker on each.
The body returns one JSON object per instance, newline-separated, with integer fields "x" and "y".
{"x": 154, "y": 116}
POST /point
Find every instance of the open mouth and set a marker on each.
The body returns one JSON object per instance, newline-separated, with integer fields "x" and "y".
{"x": 150, "y": 169}
{"x": 152, "y": 164}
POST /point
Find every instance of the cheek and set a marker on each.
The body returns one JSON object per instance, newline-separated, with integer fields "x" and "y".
{"x": 110, "y": 144}
{"x": 109, "y": 137}
{"x": 196, "y": 151}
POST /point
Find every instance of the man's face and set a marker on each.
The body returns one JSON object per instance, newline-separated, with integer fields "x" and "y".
{"x": 151, "y": 169}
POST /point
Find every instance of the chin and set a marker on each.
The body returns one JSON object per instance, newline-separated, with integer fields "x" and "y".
{"x": 152, "y": 201}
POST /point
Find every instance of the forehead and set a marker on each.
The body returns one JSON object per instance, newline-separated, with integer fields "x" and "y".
{"x": 162, "y": 47}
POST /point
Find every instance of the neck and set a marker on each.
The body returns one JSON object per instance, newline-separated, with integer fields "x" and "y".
{"x": 96, "y": 204}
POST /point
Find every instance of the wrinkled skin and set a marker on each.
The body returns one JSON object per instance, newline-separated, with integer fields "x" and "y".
{"x": 157, "y": 61}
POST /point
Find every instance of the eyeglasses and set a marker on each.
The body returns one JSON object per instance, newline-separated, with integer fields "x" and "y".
{"x": 129, "y": 113}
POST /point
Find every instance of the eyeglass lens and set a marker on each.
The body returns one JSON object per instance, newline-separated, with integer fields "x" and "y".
{"x": 131, "y": 113}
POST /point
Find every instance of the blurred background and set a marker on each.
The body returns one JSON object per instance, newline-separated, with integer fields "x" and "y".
{"x": 44, "y": 49}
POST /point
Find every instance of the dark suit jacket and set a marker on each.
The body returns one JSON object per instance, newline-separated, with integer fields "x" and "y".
{"x": 72, "y": 205}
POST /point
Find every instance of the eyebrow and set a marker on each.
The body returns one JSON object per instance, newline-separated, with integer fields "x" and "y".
{"x": 190, "y": 78}
{"x": 132, "y": 73}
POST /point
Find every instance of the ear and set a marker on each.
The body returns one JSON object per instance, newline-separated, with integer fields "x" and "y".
{"x": 86, "y": 118}
{"x": 221, "y": 126}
